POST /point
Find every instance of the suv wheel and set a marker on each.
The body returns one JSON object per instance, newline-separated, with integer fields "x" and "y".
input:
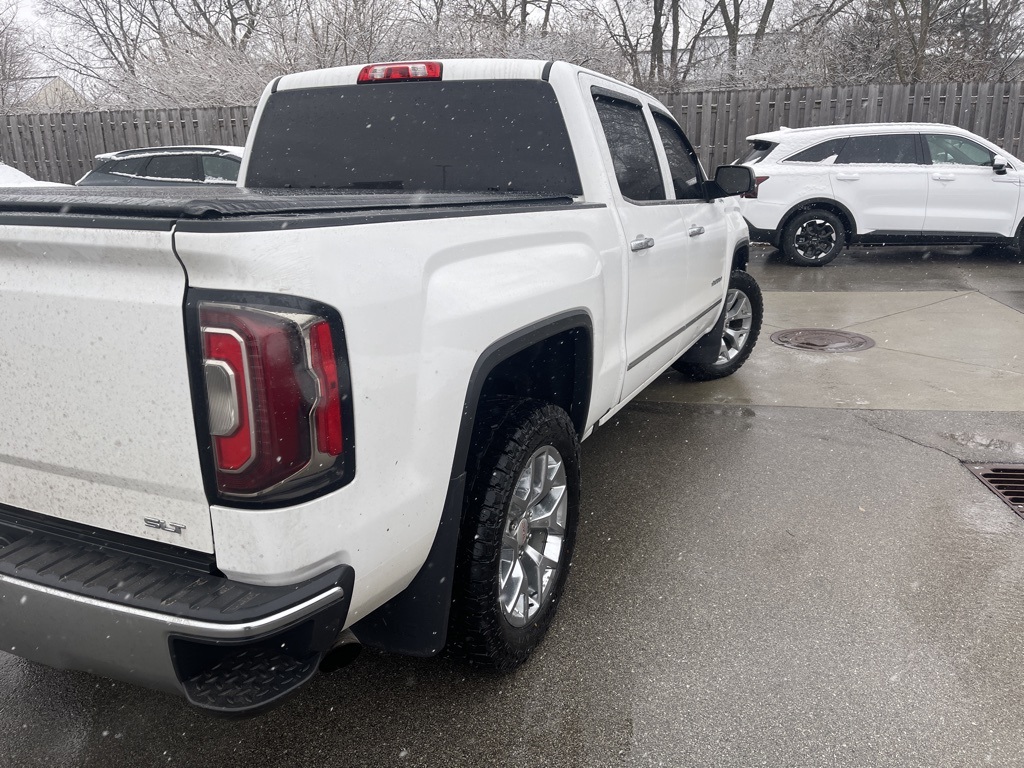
{"x": 813, "y": 238}
{"x": 518, "y": 532}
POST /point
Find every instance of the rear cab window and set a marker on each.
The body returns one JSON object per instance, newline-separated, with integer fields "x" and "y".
{"x": 498, "y": 136}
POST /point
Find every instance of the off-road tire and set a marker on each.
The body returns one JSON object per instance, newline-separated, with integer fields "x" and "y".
{"x": 813, "y": 238}
{"x": 508, "y": 436}
{"x": 743, "y": 303}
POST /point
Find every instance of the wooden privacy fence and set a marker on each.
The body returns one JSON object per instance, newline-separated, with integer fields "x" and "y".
{"x": 61, "y": 147}
{"x": 718, "y": 122}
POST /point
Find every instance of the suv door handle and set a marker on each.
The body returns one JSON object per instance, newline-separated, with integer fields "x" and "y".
{"x": 641, "y": 243}
{"x": 848, "y": 176}
{"x": 944, "y": 176}
{"x": 695, "y": 230}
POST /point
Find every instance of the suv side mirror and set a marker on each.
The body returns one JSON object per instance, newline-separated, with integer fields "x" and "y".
{"x": 999, "y": 165}
{"x": 730, "y": 180}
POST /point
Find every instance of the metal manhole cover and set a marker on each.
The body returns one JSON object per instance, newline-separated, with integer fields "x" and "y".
{"x": 822, "y": 340}
{"x": 1005, "y": 480}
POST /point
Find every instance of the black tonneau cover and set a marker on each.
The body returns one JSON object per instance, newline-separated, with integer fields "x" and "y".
{"x": 221, "y": 203}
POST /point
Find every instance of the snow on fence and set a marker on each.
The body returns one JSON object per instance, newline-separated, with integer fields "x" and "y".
{"x": 61, "y": 147}
{"x": 718, "y": 122}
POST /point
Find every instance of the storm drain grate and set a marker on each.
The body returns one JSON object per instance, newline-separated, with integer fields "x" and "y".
{"x": 1005, "y": 480}
{"x": 822, "y": 340}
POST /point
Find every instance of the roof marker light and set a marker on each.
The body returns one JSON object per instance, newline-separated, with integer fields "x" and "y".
{"x": 400, "y": 72}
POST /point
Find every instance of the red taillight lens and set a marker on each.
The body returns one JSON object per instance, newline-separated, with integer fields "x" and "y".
{"x": 328, "y": 408}
{"x": 400, "y": 71}
{"x": 274, "y": 400}
{"x": 752, "y": 194}
{"x": 226, "y": 367}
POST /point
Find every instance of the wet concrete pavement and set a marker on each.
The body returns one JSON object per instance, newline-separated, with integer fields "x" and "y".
{"x": 760, "y": 579}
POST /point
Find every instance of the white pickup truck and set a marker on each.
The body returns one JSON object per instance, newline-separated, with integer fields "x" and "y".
{"x": 245, "y": 429}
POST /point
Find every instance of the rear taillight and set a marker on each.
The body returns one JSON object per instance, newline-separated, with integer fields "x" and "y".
{"x": 277, "y": 410}
{"x": 752, "y": 194}
{"x": 400, "y": 72}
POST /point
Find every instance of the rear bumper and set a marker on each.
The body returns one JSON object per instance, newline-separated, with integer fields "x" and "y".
{"x": 226, "y": 646}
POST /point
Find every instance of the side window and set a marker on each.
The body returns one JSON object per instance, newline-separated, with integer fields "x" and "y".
{"x": 957, "y": 151}
{"x": 682, "y": 163}
{"x": 824, "y": 153}
{"x": 172, "y": 168}
{"x": 896, "y": 148}
{"x": 220, "y": 169}
{"x": 127, "y": 167}
{"x": 633, "y": 154}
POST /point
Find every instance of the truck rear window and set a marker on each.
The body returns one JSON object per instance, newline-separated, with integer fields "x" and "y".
{"x": 459, "y": 136}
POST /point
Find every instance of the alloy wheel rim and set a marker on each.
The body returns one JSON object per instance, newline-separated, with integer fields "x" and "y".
{"x": 814, "y": 239}
{"x": 739, "y": 319}
{"x": 533, "y": 537}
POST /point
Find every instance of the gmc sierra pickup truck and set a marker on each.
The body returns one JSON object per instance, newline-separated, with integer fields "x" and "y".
{"x": 243, "y": 430}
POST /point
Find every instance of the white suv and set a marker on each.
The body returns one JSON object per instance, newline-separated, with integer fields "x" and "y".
{"x": 821, "y": 189}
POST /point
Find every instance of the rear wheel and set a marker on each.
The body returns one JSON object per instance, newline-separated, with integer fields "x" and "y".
{"x": 744, "y": 311}
{"x": 813, "y": 238}
{"x": 518, "y": 533}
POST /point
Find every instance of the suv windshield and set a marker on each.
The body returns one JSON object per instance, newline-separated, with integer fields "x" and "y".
{"x": 460, "y": 136}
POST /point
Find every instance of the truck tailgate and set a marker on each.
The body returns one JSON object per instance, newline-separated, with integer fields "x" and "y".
{"x": 96, "y": 420}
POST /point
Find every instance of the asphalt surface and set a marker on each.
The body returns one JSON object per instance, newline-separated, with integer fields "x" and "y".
{"x": 755, "y": 584}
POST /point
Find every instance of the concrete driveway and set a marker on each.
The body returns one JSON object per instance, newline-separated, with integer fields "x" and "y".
{"x": 788, "y": 568}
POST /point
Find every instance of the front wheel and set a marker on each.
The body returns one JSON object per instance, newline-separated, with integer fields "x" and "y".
{"x": 743, "y": 311}
{"x": 813, "y": 238}
{"x": 518, "y": 532}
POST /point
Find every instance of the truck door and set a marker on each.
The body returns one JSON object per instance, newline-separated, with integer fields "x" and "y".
{"x": 660, "y": 319}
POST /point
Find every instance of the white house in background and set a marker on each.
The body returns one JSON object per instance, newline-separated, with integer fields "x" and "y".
{"x": 49, "y": 94}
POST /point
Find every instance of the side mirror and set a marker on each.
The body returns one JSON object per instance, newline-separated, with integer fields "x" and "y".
{"x": 731, "y": 180}
{"x": 999, "y": 165}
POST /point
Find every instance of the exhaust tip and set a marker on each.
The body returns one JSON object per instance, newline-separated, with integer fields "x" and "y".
{"x": 345, "y": 650}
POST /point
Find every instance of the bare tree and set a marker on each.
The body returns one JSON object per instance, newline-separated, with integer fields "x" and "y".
{"x": 15, "y": 58}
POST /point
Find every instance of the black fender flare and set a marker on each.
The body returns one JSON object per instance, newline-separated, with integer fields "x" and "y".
{"x": 415, "y": 622}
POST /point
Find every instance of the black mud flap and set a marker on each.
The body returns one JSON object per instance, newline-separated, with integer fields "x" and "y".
{"x": 709, "y": 346}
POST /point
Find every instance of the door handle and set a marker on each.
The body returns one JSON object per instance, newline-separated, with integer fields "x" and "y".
{"x": 944, "y": 176}
{"x": 848, "y": 176}
{"x": 641, "y": 243}
{"x": 695, "y": 230}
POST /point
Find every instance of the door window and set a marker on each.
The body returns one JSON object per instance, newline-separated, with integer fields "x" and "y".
{"x": 220, "y": 169}
{"x": 127, "y": 167}
{"x": 682, "y": 163}
{"x": 896, "y": 148}
{"x": 633, "y": 155}
{"x": 954, "y": 150}
{"x": 172, "y": 168}
{"x": 823, "y": 154}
